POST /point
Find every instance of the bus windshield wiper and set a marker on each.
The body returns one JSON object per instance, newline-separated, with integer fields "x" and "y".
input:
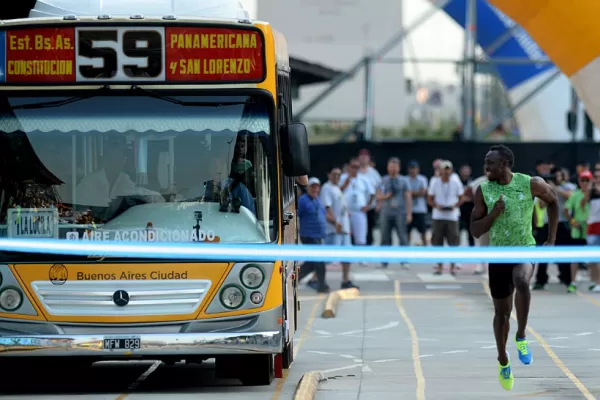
{"x": 58, "y": 103}
{"x": 24, "y": 257}
{"x": 146, "y": 92}
{"x": 179, "y": 102}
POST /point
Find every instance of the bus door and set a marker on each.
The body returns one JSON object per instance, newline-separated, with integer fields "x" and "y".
{"x": 290, "y": 285}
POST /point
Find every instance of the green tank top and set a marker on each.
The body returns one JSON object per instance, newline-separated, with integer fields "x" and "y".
{"x": 514, "y": 226}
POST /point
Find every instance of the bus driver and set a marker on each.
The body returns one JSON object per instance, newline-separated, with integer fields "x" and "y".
{"x": 110, "y": 182}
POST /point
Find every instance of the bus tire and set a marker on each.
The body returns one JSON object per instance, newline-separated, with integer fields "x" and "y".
{"x": 259, "y": 370}
{"x": 288, "y": 355}
{"x": 252, "y": 370}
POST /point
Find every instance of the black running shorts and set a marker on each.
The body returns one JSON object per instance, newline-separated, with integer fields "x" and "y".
{"x": 501, "y": 280}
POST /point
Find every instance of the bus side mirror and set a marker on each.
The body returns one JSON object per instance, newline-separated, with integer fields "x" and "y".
{"x": 294, "y": 150}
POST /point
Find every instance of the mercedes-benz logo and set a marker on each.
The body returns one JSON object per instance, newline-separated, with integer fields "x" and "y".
{"x": 121, "y": 298}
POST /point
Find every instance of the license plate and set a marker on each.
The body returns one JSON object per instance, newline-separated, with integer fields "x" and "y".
{"x": 122, "y": 343}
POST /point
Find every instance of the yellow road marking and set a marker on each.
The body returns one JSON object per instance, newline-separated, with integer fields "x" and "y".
{"x": 139, "y": 380}
{"x": 311, "y": 318}
{"x": 415, "y": 343}
{"x": 557, "y": 361}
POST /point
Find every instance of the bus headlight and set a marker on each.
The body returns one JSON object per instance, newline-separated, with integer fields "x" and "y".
{"x": 232, "y": 297}
{"x": 11, "y": 299}
{"x": 252, "y": 276}
{"x": 256, "y": 297}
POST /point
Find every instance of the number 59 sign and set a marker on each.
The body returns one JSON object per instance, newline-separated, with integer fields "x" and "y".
{"x": 120, "y": 54}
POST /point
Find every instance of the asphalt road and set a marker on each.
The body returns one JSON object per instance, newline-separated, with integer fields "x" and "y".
{"x": 411, "y": 335}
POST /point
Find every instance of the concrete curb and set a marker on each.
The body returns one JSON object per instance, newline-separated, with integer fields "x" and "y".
{"x": 308, "y": 385}
{"x": 334, "y": 298}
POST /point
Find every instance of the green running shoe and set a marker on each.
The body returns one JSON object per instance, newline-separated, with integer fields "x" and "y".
{"x": 505, "y": 375}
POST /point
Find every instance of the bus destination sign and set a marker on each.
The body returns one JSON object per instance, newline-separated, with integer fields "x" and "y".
{"x": 103, "y": 54}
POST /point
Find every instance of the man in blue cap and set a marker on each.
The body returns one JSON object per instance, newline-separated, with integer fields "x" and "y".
{"x": 313, "y": 223}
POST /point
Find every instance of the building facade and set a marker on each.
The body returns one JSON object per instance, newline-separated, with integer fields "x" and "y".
{"x": 339, "y": 34}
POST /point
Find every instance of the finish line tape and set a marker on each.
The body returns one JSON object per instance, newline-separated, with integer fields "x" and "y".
{"x": 271, "y": 252}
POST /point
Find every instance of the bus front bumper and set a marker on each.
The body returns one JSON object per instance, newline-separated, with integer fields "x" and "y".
{"x": 149, "y": 345}
{"x": 258, "y": 333}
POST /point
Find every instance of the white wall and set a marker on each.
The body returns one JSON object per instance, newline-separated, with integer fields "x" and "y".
{"x": 338, "y": 34}
{"x": 438, "y": 37}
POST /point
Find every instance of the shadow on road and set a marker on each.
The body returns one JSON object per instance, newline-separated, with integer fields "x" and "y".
{"x": 33, "y": 378}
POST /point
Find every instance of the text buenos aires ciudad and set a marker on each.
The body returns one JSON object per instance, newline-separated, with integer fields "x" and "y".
{"x": 131, "y": 276}
{"x": 39, "y": 52}
{"x": 209, "y": 65}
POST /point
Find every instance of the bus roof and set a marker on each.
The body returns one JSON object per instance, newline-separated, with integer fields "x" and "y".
{"x": 218, "y": 9}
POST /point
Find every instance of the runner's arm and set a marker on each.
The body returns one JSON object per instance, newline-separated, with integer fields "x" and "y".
{"x": 545, "y": 192}
{"x": 481, "y": 220}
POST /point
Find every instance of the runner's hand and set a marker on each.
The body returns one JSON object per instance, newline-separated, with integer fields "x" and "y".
{"x": 499, "y": 205}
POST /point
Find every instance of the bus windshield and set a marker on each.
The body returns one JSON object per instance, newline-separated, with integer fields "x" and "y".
{"x": 136, "y": 168}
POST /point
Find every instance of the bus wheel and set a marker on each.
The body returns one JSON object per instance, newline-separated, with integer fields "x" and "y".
{"x": 252, "y": 370}
{"x": 288, "y": 355}
{"x": 259, "y": 370}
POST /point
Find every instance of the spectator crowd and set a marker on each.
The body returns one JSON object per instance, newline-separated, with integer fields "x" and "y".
{"x": 357, "y": 206}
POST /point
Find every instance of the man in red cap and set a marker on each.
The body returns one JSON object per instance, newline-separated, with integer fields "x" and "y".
{"x": 564, "y": 190}
{"x": 577, "y": 212}
{"x": 592, "y": 198}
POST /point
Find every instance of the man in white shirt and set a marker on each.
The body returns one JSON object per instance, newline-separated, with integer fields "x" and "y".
{"x": 374, "y": 178}
{"x": 437, "y": 171}
{"x": 436, "y": 176}
{"x": 445, "y": 197}
{"x": 359, "y": 195}
{"x": 338, "y": 219}
{"x": 418, "y": 185}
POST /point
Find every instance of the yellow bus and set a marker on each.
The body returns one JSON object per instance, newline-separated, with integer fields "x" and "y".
{"x": 118, "y": 126}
